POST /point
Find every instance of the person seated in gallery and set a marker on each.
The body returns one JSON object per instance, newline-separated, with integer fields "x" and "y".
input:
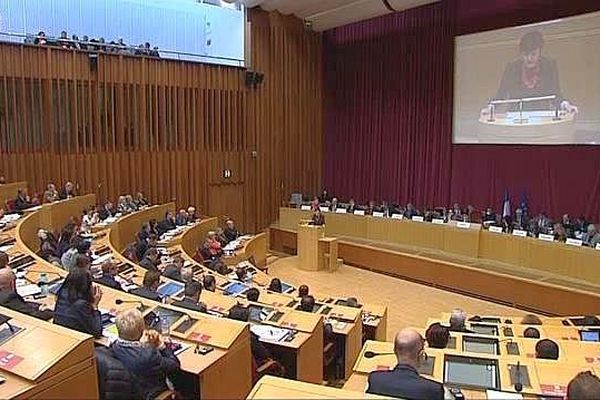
{"x": 404, "y": 380}
{"x": 318, "y": 219}
{"x": 410, "y": 211}
{"x": 325, "y": 197}
{"x": 110, "y": 271}
{"x": 209, "y": 282}
{"x": 22, "y": 201}
{"x": 303, "y": 290}
{"x": 253, "y": 294}
{"x": 531, "y": 333}
{"x": 351, "y": 207}
{"x": 151, "y": 260}
{"x": 182, "y": 218}
{"x": 51, "y": 194}
{"x": 307, "y": 304}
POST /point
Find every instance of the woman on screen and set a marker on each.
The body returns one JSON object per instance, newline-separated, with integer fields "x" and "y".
{"x": 533, "y": 75}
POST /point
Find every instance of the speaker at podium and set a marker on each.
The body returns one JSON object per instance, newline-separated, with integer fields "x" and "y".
{"x": 315, "y": 251}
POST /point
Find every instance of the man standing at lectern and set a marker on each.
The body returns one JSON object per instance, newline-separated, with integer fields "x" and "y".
{"x": 318, "y": 218}
{"x": 533, "y": 75}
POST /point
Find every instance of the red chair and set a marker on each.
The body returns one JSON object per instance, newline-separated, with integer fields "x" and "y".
{"x": 9, "y": 205}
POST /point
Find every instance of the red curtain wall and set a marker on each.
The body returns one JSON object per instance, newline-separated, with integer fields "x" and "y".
{"x": 388, "y": 116}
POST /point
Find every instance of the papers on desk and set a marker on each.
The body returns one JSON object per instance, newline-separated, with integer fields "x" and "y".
{"x": 270, "y": 333}
{"x": 8, "y": 218}
{"x": 6, "y": 248}
{"x": 28, "y": 290}
{"x": 101, "y": 259}
{"x": 497, "y": 395}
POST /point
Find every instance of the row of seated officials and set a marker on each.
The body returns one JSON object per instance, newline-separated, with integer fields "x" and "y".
{"x": 519, "y": 218}
{"x": 405, "y": 382}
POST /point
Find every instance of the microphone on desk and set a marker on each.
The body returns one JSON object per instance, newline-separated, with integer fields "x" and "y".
{"x": 518, "y": 378}
{"x": 141, "y": 306}
{"x": 371, "y": 354}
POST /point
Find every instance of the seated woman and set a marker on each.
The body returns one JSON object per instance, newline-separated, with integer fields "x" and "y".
{"x": 90, "y": 218}
{"x": 275, "y": 285}
{"x": 77, "y": 303}
{"x": 146, "y": 358}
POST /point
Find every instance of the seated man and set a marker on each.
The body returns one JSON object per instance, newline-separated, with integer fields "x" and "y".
{"x": 67, "y": 191}
{"x": 149, "y": 361}
{"x": 404, "y": 380}
{"x": 303, "y": 290}
{"x": 546, "y": 349}
{"x": 252, "y": 294}
{"x": 150, "y": 284}
{"x": 209, "y": 283}
{"x": 437, "y": 336}
{"x": 259, "y": 352}
{"x": 166, "y": 224}
{"x": 231, "y": 233}
{"x": 191, "y": 301}
{"x": 173, "y": 270}
{"x": 22, "y": 202}
{"x": 192, "y": 215}
{"x": 151, "y": 260}
{"x": 109, "y": 272}
{"x": 318, "y": 219}
{"x": 307, "y": 303}
{"x": 457, "y": 321}
{"x": 182, "y": 218}
{"x": 9, "y": 298}
{"x": 585, "y": 386}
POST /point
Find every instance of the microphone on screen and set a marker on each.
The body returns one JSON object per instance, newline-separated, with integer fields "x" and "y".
{"x": 518, "y": 378}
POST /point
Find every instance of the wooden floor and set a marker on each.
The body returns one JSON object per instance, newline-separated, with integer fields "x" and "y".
{"x": 409, "y": 304}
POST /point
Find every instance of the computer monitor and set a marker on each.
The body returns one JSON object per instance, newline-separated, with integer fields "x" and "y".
{"x": 491, "y": 320}
{"x": 257, "y": 313}
{"x": 235, "y": 289}
{"x": 586, "y": 321}
{"x": 473, "y": 344}
{"x": 590, "y": 336}
{"x": 471, "y": 372}
{"x": 171, "y": 316}
{"x": 426, "y": 366}
{"x": 170, "y": 289}
{"x": 522, "y": 371}
{"x": 286, "y": 288}
{"x": 483, "y": 329}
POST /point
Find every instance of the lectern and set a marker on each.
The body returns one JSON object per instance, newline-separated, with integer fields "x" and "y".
{"x": 316, "y": 252}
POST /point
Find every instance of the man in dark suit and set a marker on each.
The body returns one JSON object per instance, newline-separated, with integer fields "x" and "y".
{"x": 4, "y": 260}
{"x": 109, "y": 271}
{"x": 231, "y": 233}
{"x": 151, "y": 260}
{"x": 191, "y": 301}
{"x": 150, "y": 284}
{"x": 404, "y": 380}
{"x": 317, "y": 219}
{"x": 457, "y": 321}
{"x": 166, "y": 224}
{"x": 67, "y": 191}
{"x": 9, "y": 297}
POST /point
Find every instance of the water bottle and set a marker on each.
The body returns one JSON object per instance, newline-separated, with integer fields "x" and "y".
{"x": 43, "y": 283}
{"x": 164, "y": 326}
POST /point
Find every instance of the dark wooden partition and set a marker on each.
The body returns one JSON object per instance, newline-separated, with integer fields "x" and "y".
{"x": 169, "y": 128}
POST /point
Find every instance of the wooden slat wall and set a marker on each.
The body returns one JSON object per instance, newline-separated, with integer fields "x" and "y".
{"x": 169, "y": 128}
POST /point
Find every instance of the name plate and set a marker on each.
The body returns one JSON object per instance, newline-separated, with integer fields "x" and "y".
{"x": 397, "y": 216}
{"x": 545, "y": 237}
{"x": 598, "y": 246}
{"x": 341, "y": 211}
{"x": 574, "y": 242}
{"x": 359, "y": 212}
{"x": 378, "y": 214}
{"x": 463, "y": 225}
{"x": 519, "y": 233}
{"x": 496, "y": 229}
{"x": 418, "y": 218}
{"x": 437, "y": 221}
{"x": 324, "y": 208}
{"x": 305, "y": 207}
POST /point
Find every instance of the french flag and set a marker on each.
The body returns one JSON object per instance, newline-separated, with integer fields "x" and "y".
{"x": 506, "y": 205}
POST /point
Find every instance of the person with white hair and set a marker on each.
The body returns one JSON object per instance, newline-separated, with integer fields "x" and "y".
{"x": 591, "y": 237}
{"x": 48, "y": 246}
{"x": 457, "y": 321}
{"x": 145, "y": 356}
{"x": 404, "y": 380}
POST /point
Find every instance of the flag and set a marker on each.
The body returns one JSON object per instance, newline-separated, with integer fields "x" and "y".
{"x": 506, "y": 205}
{"x": 524, "y": 205}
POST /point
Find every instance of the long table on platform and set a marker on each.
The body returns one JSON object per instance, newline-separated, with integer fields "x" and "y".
{"x": 522, "y": 272}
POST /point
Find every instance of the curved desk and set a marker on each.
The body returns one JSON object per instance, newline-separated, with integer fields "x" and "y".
{"x": 223, "y": 373}
{"x": 124, "y": 230}
{"x": 522, "y": 272}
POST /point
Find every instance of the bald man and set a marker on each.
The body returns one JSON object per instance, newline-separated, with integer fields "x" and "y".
{"x": 3, "y": 260}
{"x": 404, "y": 380}
{"x": 9, "y": 298}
